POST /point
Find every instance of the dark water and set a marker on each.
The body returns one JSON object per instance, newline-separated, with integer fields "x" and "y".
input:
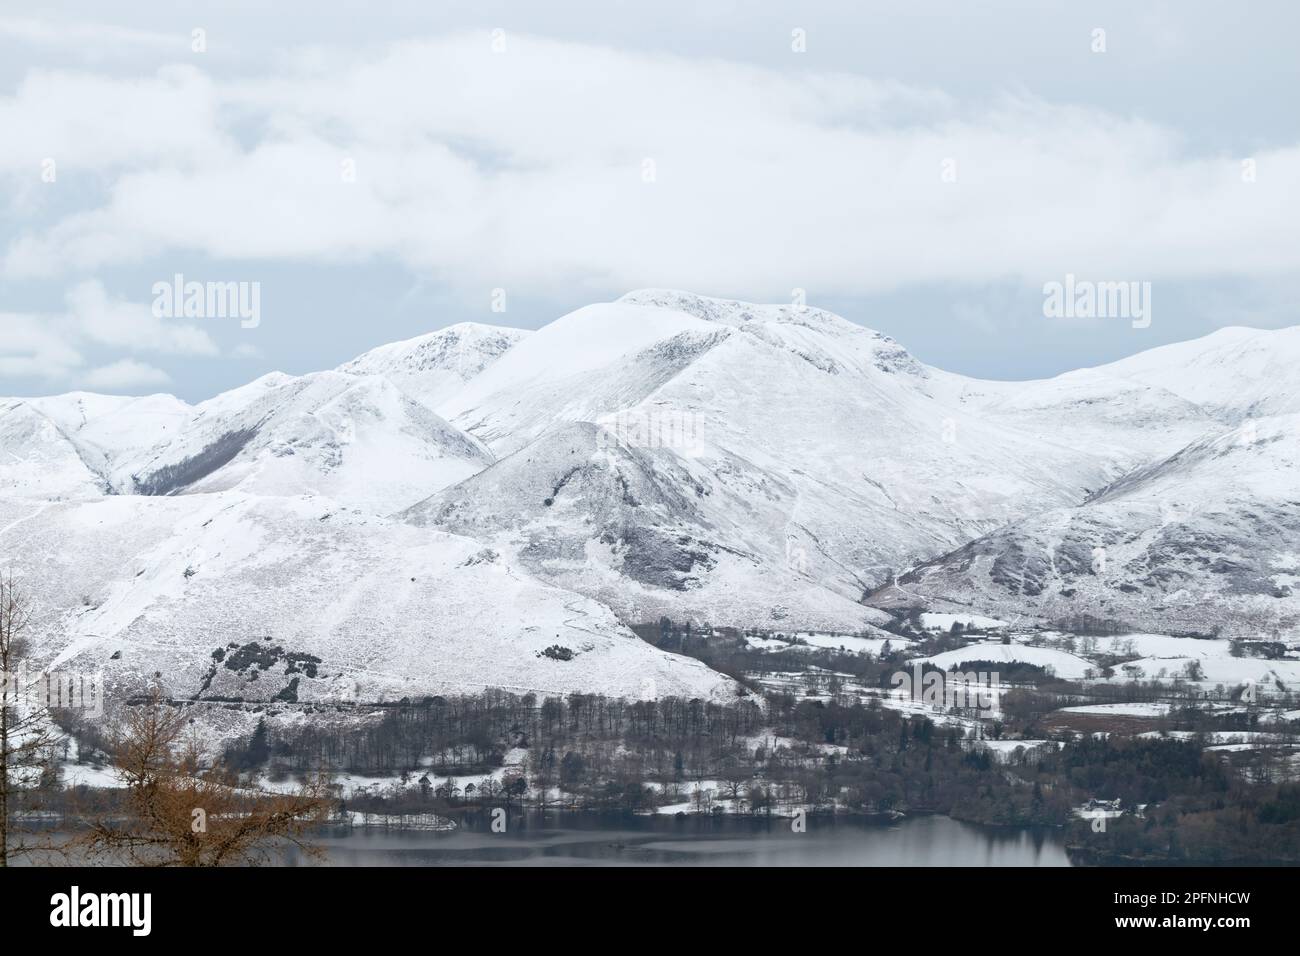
{"x": 585, "y": 839}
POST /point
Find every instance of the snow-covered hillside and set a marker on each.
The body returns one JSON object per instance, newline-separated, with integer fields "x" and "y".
{"x": 1233, "y": 374}
{"x": 358, "y": 439}
{"x": 365, "y": 435}
{"x": 433, "y": 368}
{"x": 255, "y": 598}
{"x": 806, "y": 456}
{"x": 668, "y": 453}
{"x": 1149, "y": 405}
{"x": 104, "y": 428}
{"x": 37, "y": 459}
{"x": 68, "y": 445}
{"x": 645, "y": 531}
{"x": 1061, "y": 663}
{"x": 1205, "y": 540}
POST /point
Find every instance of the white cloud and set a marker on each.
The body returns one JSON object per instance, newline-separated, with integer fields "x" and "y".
{"x": 52, "y": 347}
{"x": 35, "y": 347}
{"x": 92, "y": 40}
{"x": 124, "y": 374}
{"x": 483, "y": 169}
{"x": 129, "y": 325}
{"x": 86, "y": 121}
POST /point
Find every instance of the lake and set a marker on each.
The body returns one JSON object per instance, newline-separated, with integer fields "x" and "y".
{"x": 577, "y": 839}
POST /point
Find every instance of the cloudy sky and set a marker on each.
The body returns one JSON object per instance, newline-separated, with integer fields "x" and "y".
{"x": 920, "y": 168}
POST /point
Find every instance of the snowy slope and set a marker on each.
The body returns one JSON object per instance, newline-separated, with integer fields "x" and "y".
{"x": 1205, "y": 540}
{"x": 639, "y": 530}
{"x": 365, "y": 435}
{"x": 762, "y": 465}
{"x": 806, "y": 455}
{"x": 1119, "y": 421}
{"x": 1234, "y": 373}
{"x": 38, "y": 459}
{"x": 105, "y": 428}
{"x": 432, "y": 368}
{"x": 575, "y": 369}
{"x": 358, "y": 439}
{"x": 68, "y": 445}
{"x": 340, "y": 606}
{"x": 1061, "y": 663}
{"x": 1151, "y": 404}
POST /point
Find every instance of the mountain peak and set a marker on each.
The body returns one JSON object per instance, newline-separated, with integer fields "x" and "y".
{"x": 1233, "y": 373}
{"x": 459, "y": 345}
{"x": 733, "y": 311}
{"x": 433, "y": 366}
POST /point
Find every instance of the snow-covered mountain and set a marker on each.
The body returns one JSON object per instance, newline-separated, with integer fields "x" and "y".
{"x": 357, "y": 439}
{"x": 364, "y": 435}
{"x": 67, "y": 445}
{"x": 432, "y": 368}
{"x": 1205, "y": 540}
{"x": 647, "y": 532}
{"x": 758, "y": 463}
{"x": 38, "y": 459}
{"x": 1119, "y": 422}
{"x": 1232, "y": 374}
{"x": 667, "y": 453}
{"x": 326, "y": 605}
{"x": 1151, "y": 404}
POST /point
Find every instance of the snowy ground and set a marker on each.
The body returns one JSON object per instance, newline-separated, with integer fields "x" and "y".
{"x": 809, "y": 640}
{"x": 1151, "y": 709}
{"x": 1061, "y": 663}
{"x": 937, "y": 621}
{"x": 1268, "y": 676}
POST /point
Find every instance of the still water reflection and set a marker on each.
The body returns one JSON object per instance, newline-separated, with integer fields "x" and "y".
{"x": 585, "y": 839}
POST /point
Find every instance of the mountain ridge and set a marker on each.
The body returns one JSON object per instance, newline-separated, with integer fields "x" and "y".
{"x": 766, "y": 466}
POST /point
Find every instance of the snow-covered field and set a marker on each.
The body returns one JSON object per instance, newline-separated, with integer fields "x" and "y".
{"x": 1160, "y": 645}
{"x": 848, "y": 643}
{"x": 1143, "y": 709}
{"x": 1061, "y": 663}
{"x": 360, "y": 608}
{"x": 935, "y": 621}
{"x": 1210, "y": 665}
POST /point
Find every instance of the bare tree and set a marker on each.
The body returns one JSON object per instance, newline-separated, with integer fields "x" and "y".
{"x": 27, "y": 735}
{"x": 736, "y": 777}
{"x": 179, "y": 813}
